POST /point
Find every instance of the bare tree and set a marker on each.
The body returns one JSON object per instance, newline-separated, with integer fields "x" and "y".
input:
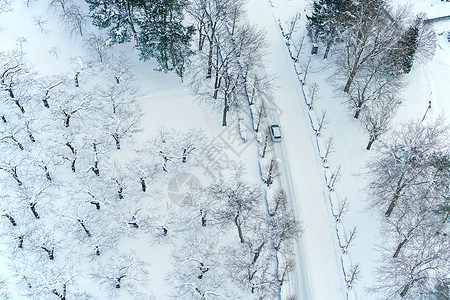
{"x": 40, "y": 22}
{"x": 334, "y": 177}
{"x": 412, "y": 275}
{"x": 259, "y": 115}
{"x": 50, "y": 88}
{"x": 374, "y": 30}
{"x": 198, "y": 271}
{"x": 313, "y": 91}
{"x": 426, "y": 40}
{"x": 370, "y": 84}
{"x": 15, "y": 78}
{"x": 122, "y": 272}
{"x": 342, "y": 209}
{"x": 377, "y": 117}
{"x": 322, "y": 121}
{"x": 285, "y": 228}
{"x": 349, "y": 238}
{"x": 96, "y": 46}
{"x": 250, "y": 267}
{"x": 265, "y": 142}
{"x": 75, "y": 19}
{"x": 122, "y": 113}
{"x": 238, "y": 202}
{"x": 353, "y": 276}
{"x": 402, "y": 164}
{"x": 329, "y": 148}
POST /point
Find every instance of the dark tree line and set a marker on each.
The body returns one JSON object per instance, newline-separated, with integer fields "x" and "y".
{"x": 156, "y": 27}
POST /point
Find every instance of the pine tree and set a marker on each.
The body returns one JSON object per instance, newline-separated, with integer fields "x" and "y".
{"x": 442, "y": 184}
{"x": 328, "y": 18}
{"x": 441, "y": 290}
{"x": 402, "y": 56}
{"x": 155, "y": 26}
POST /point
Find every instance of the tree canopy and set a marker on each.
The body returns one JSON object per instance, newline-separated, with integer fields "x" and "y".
{"x": 155, "y": 26}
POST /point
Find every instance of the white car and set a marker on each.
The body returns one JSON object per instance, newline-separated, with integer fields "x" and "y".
{"x": 275, "y": 132}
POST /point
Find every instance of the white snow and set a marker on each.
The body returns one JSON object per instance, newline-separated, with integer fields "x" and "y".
{"x": 167, "y": 103}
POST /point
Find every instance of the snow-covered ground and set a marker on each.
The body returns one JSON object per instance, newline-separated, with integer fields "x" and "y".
{"x": 166, "y": 102}
{"x": 325, "y": 262}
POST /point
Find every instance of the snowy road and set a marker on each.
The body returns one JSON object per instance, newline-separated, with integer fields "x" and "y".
{"x": 318, "y": 273}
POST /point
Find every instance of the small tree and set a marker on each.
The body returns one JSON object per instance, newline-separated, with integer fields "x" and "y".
{"x": 377, "y": 116}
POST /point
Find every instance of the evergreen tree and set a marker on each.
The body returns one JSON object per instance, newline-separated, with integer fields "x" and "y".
{"x": 155, "y": 26}
{"x": 441, "y": 290}
{"x": 442, "y": 184}
{"x": 328, "y": 18}
{"x": 402, "y": 56}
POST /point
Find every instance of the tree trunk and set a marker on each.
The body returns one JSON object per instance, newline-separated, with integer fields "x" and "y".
{"x": 67, "y": 121}
{"x": 201, "y": 36}
{"x": 369, "y": 145}
{"x": 391, "y": 207}
{"x": 143, "y": 185}
{"x": 266, "y": 143}
{"x": 18, "y": 143}
{"x": 15, "y": 176}
{"x": 95, "y": 168}
{"x": 84, "y": 227}
{"x": 46, "y": 97}
{"x": 96, "y": 203}
{"x": 50, "y": 253}
{"x": 210, "y": 59}
{"x": 117, "y": 140}
{"x": 20, "y": 244}
{"x": 165, "y": 231}
{"x": 30, "y": 135}
{"x": 73, "y": 165}
{"x": 238, "y": 225}
{"x": 11, "y": 219}
{"x": 404, "y": 290}
{"x": 203, "y": 214}
{"x": 217, "y": 84}
{"x": 184, "y": 157}
{"x": 118, "y": 279}
{"x": 349, "y": 81}
{"x": 71, "y": 147}
{"x": 20, "y": 106}
{"x": 399, "y": 247}
{"x": 327, "y": 50}
{"x": 47, "y": 174}
{"x": 358, "y": 110}
{"x": 33, "y": 209}
{"x": 446, "y": 217}
{"x": 258, "y": 252}
{"x": 225, "y": 110}
{"x": 76, "y": 79}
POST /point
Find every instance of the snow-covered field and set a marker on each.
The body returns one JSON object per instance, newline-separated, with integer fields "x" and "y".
{"x": 166, "y": 103}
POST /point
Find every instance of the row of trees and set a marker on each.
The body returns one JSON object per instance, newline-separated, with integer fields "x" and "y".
{"x": 227, "y": 71}
{"x": 250, "y": 238}
{"x": 374, "y": 44}
{"x": 59, "y": 182}
{"x": 67, "y": 202}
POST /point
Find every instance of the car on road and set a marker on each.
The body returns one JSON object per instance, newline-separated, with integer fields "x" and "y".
{"x": 275, "y": 132}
